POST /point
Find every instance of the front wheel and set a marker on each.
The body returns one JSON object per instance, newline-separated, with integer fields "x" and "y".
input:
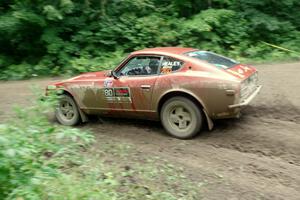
{"x": 181, "y": 117}
{"x": 67, "y": 111}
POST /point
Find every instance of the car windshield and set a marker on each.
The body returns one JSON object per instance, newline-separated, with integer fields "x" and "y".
{"x": 212, "y": 58}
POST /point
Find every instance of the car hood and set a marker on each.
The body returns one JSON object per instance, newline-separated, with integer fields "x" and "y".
{"x": 83, "y": 77}
{"x": 90, "y": 75}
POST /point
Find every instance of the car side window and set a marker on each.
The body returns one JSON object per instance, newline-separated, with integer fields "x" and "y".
{"x": 140, "y": 65}
{"x": 170, "y": 64}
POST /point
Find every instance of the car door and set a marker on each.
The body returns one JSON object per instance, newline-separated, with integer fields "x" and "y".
{"x": 131, "y": 92}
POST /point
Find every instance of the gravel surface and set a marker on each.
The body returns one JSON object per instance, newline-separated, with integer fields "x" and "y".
{"x": 254, "y": 157}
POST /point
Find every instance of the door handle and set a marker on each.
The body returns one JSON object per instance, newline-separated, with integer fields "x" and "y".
{"x": 145, "y": 87}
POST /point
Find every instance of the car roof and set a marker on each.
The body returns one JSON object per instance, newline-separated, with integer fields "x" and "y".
{"x": 162, "y": 50}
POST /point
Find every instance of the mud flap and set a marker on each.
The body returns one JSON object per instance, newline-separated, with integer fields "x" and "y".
{"x": 210, "y": 123}
{"x": 83, "y": 116}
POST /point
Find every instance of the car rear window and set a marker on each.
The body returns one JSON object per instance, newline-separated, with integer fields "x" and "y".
{"x": 212, "y": 58}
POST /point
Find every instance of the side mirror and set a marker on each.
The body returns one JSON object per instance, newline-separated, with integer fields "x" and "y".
{"x": 109, "y": 73}
{"x": 112, "y": 73}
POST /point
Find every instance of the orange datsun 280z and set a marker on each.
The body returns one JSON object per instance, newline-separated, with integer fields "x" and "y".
{"x": 182, "y": 87}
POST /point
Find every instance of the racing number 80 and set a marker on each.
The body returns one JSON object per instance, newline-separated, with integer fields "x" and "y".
{"x": 108, "y": 92}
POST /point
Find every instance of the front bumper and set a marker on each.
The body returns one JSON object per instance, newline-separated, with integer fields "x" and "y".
{"x": 248, "y": 100}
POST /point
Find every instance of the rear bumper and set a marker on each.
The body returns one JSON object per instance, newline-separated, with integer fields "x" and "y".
{"x": 248, "y": 100}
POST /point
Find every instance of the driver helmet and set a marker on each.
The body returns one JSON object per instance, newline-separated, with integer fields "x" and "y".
{"x": 153, "y": 66}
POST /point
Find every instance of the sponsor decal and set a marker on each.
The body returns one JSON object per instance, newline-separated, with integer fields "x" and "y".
{"x": 246, "y": 69}
{"x": 236, "y": 73}
{"x": 240, "y": 71}
{"x": 122, "y": 92}
{"x": 117, "y": 94}
{"x": 108, "y": 83}
{"x": 166, "y": 70}
{"x": 170, "y": 63}
{"x": 169, "y": 66}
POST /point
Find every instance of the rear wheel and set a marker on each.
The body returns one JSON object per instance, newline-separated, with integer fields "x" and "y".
{"x": 181, "y": 117}
{"x": 67, "y": 111}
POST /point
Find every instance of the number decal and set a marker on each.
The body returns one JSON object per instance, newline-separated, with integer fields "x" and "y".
{"x": 108, "y": 92}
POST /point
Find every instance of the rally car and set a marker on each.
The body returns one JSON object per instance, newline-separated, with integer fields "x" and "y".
{"x": 184, "y": 88}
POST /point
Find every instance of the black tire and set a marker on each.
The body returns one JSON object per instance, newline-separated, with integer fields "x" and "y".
{"x": 181, "y": 117}
{"x": 67, "y": 112}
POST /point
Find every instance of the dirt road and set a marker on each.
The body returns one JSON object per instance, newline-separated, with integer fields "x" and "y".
{"x": 254, "y": 157}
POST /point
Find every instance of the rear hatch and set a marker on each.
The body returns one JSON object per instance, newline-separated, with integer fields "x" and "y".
{"x": 246, "y": 73}
{"x": 241, "y": 71}
{"x": 249, "y": 79}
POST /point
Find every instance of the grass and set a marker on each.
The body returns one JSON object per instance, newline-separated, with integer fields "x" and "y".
{"x": 122, "y": 168}
{"x": 42, "y": 160}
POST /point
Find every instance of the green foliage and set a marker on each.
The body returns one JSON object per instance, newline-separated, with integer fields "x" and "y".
{"x": 32, "y": 150}
{"x": 53, "y": 36}
{"x": 41, "y": 160}
{"x": 87, "y": 63}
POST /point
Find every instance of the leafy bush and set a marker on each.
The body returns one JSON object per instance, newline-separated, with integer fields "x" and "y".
{"x": 87, "y": 63}
{"x": 32, "y": 150}
{"x": 42, "y": 160}
{"x": 53, "y": 37}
